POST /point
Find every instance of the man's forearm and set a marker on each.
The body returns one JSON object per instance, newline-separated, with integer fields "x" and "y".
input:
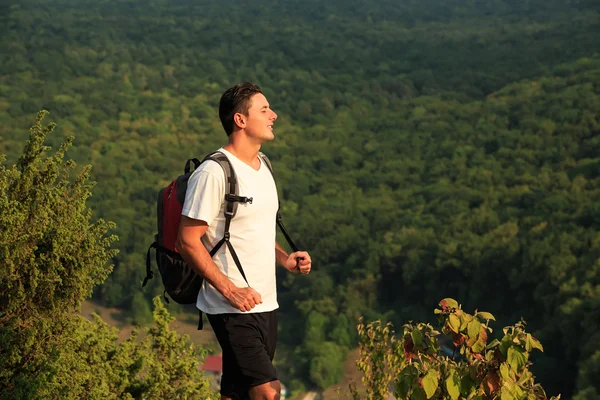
{"x": 200, "y": 260}
{"x": 281, "y": 255}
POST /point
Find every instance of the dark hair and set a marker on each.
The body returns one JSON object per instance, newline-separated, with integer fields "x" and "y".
{"x": 236, "y": 100}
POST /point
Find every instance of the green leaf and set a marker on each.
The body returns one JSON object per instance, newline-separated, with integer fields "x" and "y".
{"x": 405, "y": 381}
{"x": 417, "y": 338}
{"x": 430, "y": 383}
{"x": 418, "y": 394}
{"x": 485, "y": 315}
{"x": 465, "y": 319}
{"x": 482, "y": 341}
{"x": 528, "y": 344}
{"x": 403, "y": 385}
{"x": 493, "y": 344}
{"x": 454, "y": 323}
{"x": 478, "y": 346}
{"x": 437, "y": 311}
{"x": 516, "y": 391}
{"x": 505, "y": 373}
{"x": 467, "y": 385}
{"x": 505, "y": 394}
{"x": 451, "y": 303}
{"x": 473, "y": 330}
{"x": 475, "y": 396}
{"x": 516, "y": 357}
{"x": 505, "y": 344}
{"x": 453, "y": 385}
{"x": 532, "y": 343}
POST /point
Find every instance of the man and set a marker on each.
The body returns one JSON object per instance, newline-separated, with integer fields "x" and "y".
{"x": 243, "y": 316}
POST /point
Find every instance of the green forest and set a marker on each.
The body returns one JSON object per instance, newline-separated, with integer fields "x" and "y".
{"x": 424, "y": 149}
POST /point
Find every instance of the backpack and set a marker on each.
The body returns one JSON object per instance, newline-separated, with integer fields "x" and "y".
{"x": 179, "y": 279}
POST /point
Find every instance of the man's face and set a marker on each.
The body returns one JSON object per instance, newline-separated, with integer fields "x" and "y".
{"x": 260, "y": 119}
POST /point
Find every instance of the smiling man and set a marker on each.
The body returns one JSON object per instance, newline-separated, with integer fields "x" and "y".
{"x": 242, "y": 313}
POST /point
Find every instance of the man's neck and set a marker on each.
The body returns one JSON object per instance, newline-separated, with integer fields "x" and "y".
{"x": 245, "y": 152}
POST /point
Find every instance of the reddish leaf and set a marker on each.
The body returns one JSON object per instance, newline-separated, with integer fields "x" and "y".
{"x": 483, "y": 335}
{"x": 420, "y": 382}
{"x": 457, "y": 339}
{"x": 478, "y": 356}
{"x": 491, "y": 383}
{"x": 409, "y": 348}
{"x": 444, "y": 305}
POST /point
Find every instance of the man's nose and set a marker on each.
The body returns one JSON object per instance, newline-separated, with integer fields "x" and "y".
{"x": 274, "y": 116}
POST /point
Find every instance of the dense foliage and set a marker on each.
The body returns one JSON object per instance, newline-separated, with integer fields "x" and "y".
{"x": 51, "y": 257}
{"x": 422, "y": 149}
{"x": 415, "y": 366}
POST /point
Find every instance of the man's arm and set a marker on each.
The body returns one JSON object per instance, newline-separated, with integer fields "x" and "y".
{"x": 195, "y": 254}
{"x": 298, "y": 262}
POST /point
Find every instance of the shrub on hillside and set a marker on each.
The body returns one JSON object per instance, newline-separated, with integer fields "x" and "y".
{"x": 413, "y": 365}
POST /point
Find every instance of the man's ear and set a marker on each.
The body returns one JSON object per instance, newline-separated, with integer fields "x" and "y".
{"x": 240, "y": 120}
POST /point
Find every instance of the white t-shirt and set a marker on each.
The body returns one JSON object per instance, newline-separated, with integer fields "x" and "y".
{"x": 252, "y": 230}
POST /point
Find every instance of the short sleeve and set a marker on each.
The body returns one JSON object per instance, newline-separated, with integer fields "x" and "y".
{"x": 204, "y": 195}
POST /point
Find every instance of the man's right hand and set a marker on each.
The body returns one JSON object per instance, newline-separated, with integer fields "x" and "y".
{"x": 244, "y": 299}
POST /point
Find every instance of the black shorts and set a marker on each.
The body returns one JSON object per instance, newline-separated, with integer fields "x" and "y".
{"x": 248, "y": 344}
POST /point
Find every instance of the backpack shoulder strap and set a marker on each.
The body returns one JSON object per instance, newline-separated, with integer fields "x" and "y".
{"x": 231, "y": 200}
{"x": 188, "y": 165}
{"x": 267, "y": 162}
{"x": 231, "y": 184}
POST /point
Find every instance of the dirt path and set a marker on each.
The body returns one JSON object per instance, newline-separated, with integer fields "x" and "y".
{"x": 115, "y": 317}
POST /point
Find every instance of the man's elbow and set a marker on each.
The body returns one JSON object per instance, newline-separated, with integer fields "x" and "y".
{"x": 185, "y": 244}
{"x": 190, "y": 233}
{"x": 178, "y": 245}
{"x": 182, "y": 245}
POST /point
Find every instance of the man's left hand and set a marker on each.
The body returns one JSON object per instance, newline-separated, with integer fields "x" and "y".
{"x": 298, "y": 262}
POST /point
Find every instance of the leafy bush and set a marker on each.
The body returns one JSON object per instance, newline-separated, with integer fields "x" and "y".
{"x": 414, "y": 366}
